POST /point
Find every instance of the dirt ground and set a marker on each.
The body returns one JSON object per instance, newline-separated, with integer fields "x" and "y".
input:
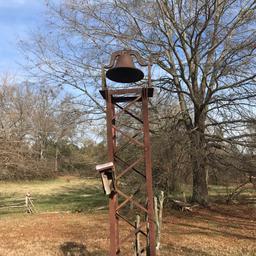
{"x": 220, "y": 230}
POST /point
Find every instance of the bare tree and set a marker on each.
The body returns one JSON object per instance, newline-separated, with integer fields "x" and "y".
{"x": 67, "y": 118}
{"x": 204, "y": 51}
{"x": 16, "y": 154}
{"x": 32, "y": 119}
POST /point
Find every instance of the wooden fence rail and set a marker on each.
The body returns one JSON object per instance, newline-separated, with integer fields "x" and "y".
{"x": 25, "y": 203}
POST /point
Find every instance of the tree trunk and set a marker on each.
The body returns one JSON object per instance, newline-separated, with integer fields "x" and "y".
{"x": 173, "y": 174}
{"x": 200, "y": 186}
{"x": 56, "y": 158}
{"x": 174, "y": 186}
{"x": 199, "y": 170}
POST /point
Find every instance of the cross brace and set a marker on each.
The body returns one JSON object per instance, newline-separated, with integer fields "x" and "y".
{"x": 133, "y": 99}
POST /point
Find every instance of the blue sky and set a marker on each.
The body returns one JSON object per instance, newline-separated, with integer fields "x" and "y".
{"x": 17, "y": 19}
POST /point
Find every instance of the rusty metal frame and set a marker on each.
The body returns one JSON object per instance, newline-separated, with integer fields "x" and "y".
{"x": 115, "y": 134}
{"x": 141, "y": 96}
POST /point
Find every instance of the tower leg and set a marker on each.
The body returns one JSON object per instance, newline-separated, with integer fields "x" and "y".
{"x": 148, "y": 166}
{"x": 111, "y": 140}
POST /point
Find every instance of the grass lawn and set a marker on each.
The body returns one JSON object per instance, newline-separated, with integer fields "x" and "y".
{"x": 59, "y": 228}
{"x": 62, "y": 194}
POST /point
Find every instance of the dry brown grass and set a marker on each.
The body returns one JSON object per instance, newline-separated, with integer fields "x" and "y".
{"x": 219, "y": 231}
{"x": 47, "y": 187}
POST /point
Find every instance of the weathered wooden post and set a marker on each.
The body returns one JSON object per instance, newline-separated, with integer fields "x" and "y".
{"x": 30, "y": 208}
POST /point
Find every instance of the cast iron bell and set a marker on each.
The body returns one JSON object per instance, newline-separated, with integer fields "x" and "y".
{"x": 124, "y": 70}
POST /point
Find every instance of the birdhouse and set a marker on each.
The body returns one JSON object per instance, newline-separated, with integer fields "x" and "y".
{"x": 107, "y": 176}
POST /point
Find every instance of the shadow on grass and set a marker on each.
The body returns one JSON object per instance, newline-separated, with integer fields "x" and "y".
{"x": 236, "y": 211}
{"x": 182, "y": 250}
{"x": 10, "y": 204}
{"x": 73, "y": 249}
{"x": 81, "y": 199}
{"x": 194, "y": 229}
{"x": 224, "y": 222}
{"x": 77, "y": 249}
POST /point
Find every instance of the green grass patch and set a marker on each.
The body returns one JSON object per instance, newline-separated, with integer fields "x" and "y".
{"x": 215, "y": 192}
{"x": 62, "y": 194}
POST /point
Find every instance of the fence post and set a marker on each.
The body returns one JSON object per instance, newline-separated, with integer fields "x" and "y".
{"x": 29, "y": 204}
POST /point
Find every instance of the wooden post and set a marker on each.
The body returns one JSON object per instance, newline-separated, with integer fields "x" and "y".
{"x": 157, "y": 223}
{"x": 184, "y": 197}
{"x": 159, "y": 217}
{"x": 137, "y": 237}
{"x": 29, "y": 204}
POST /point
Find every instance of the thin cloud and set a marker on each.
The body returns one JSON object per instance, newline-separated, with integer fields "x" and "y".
{"x": 13, "y": 3}
{"x": 17, "y": 19}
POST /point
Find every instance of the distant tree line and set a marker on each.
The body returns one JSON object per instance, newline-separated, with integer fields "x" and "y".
{"x": 38, "y": 130}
